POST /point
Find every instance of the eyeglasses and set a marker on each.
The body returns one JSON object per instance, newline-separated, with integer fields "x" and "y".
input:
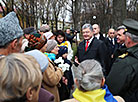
{"x": 112, "y": 32}
{"x": 86, "y": 32}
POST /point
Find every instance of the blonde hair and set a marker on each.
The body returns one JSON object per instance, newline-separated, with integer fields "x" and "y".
{"x": 18, "y": 72}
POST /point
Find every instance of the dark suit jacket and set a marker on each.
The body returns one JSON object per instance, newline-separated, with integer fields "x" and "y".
{"x": 123, "y": 77}
{"x": 113, "y": 47}
{"x": 96, "y": 50}
{"x": 108, "y": 61}
{"x": 104, "y": 39}
{"x": 122, "y": 49}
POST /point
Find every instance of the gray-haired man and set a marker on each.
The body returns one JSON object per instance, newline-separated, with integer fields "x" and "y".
{"x": 121, "y": 41}
{"x": 123, "y": 77}
{"x": 91, "y": 48}
{"x": 10, "y": 34}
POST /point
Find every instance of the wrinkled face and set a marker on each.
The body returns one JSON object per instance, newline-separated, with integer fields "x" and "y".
{"x": 96, "y": 29}
{"x": 111, "y": 33}
{"x": 68, "y": 31}
{"x": 60, "y": 38}
{"x": 55, "y": 50}
{"x": 120, "y": 36}
{"x": 87, "y": 34}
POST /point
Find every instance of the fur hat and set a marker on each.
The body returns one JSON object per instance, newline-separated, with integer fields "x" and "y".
{"x": 51, "y": 44}
{"x": 9, "y": 28}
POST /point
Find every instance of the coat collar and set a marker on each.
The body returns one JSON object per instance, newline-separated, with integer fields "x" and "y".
{"x": 99, "y": 95}
{"x": 89, "y": 96}
{"x": 133, "y": 49}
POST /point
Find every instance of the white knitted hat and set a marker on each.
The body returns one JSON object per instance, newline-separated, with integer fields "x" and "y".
{"x": 48, "y": 35}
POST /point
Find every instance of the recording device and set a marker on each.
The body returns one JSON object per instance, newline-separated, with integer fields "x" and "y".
{"x": 74, "y": 31}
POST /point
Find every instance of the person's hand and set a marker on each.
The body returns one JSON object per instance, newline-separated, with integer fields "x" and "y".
{"x": 75, "y": 32}
{"x": 112, "y": 56}
{"x": 65, "y": 81}
{"x": 76, "y": 60}
{"x": 72, "y": 87}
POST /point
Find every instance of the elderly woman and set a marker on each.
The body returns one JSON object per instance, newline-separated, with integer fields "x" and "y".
{"x": 20, "y": 78}
{"x": 89, "y": 79}
{"x": 53, "y": 74}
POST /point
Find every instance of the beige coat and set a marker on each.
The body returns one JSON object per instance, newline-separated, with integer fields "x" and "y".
{"x": 51, "y": 78}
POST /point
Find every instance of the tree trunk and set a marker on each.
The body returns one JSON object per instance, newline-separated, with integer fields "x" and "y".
{"x": 74, "y": 12}
{"x": 119, "y": 12}
{"x": 63, "y": 24}
{"x": 12, "y": 2}
{"x": 56, "y": 22}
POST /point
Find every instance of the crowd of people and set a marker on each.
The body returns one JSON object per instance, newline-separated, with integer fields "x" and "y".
{"x": 38, "y": 65}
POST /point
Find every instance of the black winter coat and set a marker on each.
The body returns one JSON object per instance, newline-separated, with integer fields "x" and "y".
{"x": 123, "y": 77}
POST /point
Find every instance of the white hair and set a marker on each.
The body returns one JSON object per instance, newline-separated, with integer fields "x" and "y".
{"x": 89, "y": 74}
{"x": 87, "y": 26}
{"x": 132, "y": 36}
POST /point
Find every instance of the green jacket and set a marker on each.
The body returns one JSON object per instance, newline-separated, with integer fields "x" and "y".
{"x": 123, "y": 77}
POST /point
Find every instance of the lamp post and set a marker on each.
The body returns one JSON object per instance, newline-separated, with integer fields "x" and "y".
{"x": 94, "y": 18}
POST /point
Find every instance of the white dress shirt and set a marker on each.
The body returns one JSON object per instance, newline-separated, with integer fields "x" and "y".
{"x": 97, "y": 36}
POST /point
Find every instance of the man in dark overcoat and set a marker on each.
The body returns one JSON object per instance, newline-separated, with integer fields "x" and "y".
{"x": 91, "y": 48}
{"x": 123, "y": 77}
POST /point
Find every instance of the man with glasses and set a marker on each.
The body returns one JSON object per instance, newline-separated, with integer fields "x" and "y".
{"x": 91, "y": 48}
{"x": 123, "y": 77}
